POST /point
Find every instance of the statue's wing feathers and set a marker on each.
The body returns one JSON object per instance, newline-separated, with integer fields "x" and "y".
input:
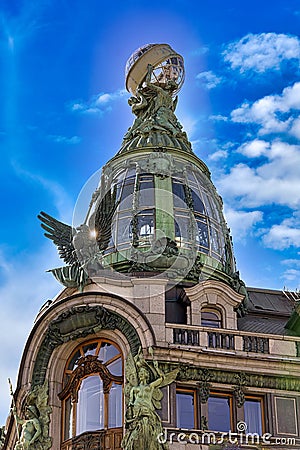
{"x": 130, "y": 371}
{"x": 169, "y": 377}
{"x": 157, "y": 396}
{"x": 104, "y": 215}
{"x": 62, "y": 236}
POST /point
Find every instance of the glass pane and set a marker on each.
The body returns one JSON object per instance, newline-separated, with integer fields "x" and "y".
{"x": 107, "y": 351}
{"x": 115, "y": 367}
{"x": 145, "y": 223}
{"x": 197, "y": 203}
{"x": 219, "y": 413}
{"x": 179, "y": 195}
{"x": 210, "y": 319}
{"x": 146, "y": 190}
{"x": 68, "y": 419}
{"x": 202, "y": 237}
{"x": 72, "y": 364}
{"x": 126, "y": 196}
{"x": 90, "y": 349}
{"x": 115, "y": 406}
{"x": 182, "y": 226}
{"x": 252, "y": 414}
{"x": 124, "y": 230}
{"x": 214, "y": 240}
{"x": 90, "y": 407}
{"x": 185, "y": 410}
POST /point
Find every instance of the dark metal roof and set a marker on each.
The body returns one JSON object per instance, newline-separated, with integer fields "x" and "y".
{"x": 264, "y": 325}
{"x": 270, "y": 301}
{"x": 267, "y": 311}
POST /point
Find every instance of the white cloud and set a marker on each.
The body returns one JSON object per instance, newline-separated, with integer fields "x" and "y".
{"x": 220, "y": 154}
{"x": 276, "y": 181}
{"x": 24, "y": 289}
{"x": 262, "y": 52}
{"x": 241, "y": 222}
{"x": 273, "y": 113}
{"x": 64, "y": 139}
{"x": 284, "y": 235}
{"x": 209, "y": 80}
{"x": 255, "y": 148}
{"x": 291, "y": 262}
{"x": 295, "y": 129}
{"x": 218, "y": 117}
{"x": 291, "y": 275}
{"x": 98, "y": 104}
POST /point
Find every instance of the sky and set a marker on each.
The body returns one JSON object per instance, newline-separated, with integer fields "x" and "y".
{"x": 64, "y": 112}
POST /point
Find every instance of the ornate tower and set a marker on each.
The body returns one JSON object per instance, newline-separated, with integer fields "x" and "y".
{"x": 154, "y": 332}
{"x": 156, "y": 211}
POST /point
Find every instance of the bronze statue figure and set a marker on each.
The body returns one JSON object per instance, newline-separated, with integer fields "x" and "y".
{"x": 143, "y": 396}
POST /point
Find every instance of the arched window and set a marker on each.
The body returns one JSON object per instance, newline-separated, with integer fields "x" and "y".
{"x": 211, "y": 318}
{"x": 92, "y": 394}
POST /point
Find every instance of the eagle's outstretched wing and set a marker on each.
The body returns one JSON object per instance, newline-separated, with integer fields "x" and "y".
{"x": 62, "y": 236}
{"x": 105, "y": 211}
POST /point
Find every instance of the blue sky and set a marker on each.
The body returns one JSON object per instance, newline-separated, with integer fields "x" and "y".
{"x": 64, "y": 112}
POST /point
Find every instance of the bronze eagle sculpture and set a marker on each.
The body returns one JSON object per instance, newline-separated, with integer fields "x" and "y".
{"x": 82, "y": 247}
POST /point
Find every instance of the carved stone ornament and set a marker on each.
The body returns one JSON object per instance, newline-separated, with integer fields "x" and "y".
{"x": 2, "y": 436}
{"x": 158, "y": 163}
{"x": 33, "y": 433}
{"x": 88, "y": 365}
{"x": 204, "y": 386}
{"x": 77, "y": 322}
{"x": 192, "y": 373}
{"x": 238, "y": 391}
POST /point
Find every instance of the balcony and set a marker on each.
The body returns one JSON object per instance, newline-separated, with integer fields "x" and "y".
{"x": 96, "y": 440}
{"x": 230, "y": 341}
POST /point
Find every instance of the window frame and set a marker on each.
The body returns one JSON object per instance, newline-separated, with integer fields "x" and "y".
{"x": 188, "y": 390}
{"x": 259, "y": 399}
{"x": 236, "y": 414}
{"x": 66, "y": 394}
{"x": 217, "y": 312}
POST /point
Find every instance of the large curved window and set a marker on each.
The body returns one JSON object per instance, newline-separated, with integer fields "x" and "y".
{"x": 134, "y": 221}
{"x": 92, "y": 394}
{"x": 193, "y": 192}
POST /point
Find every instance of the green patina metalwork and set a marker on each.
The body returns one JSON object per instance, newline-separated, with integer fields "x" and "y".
{"x": 34, "y": 430}
{"x": 82, "y": 248}
{"x": 143, "y": 396}
{"x": 293, "y": 324}
{"x": 164, "y": 206}
{"x": 78, "y": 322}
{"x": 155, "y": 124}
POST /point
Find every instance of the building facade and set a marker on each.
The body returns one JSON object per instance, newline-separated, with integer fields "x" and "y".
{"x": 155, "y": 342}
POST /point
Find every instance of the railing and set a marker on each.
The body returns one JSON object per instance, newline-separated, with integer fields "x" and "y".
{"x": 221, "y": 340}
{"x": 210, "y": 339}
{"x": 95, "y": 440}
{"x": 256, "y": 344}
{"x": 185, "y": 337}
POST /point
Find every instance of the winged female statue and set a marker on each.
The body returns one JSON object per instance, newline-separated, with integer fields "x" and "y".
{"x": 143, "y": 396}
{"x": 81, "y": 248}
{"x": 34, "y": 427}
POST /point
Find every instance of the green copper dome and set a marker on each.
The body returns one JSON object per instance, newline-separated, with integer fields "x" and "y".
{"x": 168, "y": 217}
{"x": 156, "y": 211}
